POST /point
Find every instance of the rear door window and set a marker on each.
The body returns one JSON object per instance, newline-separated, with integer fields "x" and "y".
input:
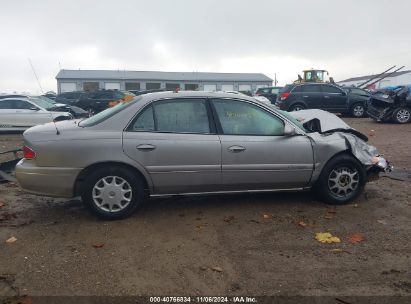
{"x": 174, "y": 116}
{"x": 6, "y": 104}
{"x": 311, "y": 89}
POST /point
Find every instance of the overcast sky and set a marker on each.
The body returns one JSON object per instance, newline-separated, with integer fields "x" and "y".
{"x": 348, "y": 38}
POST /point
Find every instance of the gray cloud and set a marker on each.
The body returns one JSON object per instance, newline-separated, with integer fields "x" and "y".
{"x": 346, "y": 37}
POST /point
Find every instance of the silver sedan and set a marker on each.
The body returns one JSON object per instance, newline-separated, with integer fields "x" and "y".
{"x": 195, "y": 142}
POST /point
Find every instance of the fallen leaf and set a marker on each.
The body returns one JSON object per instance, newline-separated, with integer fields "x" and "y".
{"x": 328, "y": 217}
{"x": 255, "y": 221}
{"x": 302, "y": 224}
{"x": 218, "y": 269}
{"x": 203, "y": 268}
{"x": 11, "y": 240}
{"x": 98, "y": 245}
{"x": 336, "y": 250}
{"x": 326, "y": 237}
{"x": 356, "y": 238}
{"x": 2, "y": 204}
{"x": 267, "y": 216}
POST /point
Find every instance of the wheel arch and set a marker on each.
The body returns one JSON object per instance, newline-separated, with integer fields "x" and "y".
{"x": 298, "y": 102}
{"x": 78, "y": 185}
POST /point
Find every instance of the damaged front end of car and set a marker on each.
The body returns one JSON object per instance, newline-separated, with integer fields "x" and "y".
{"x": 331, "y": 135}
{"x": 383, "y": 103}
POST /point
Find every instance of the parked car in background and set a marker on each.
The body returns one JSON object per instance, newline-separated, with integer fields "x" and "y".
{"x": 195, "y": 142}
{"x": 21, "y": 113}
{"x": 270, "y": 93}
{"x": 51, "y": 105}
{"x": 393, "y": 104}
{"x": 325, "y": 96}
{"x": 51, "y": 95}
{"x": 93, "y": 102}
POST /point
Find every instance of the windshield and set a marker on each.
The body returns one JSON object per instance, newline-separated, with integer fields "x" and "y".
{"x": 43, "y": 102}
{"x": 107, "y": 113}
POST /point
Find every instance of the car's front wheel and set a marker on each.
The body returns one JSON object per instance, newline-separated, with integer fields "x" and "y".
{"x": 402, "y": 115}
{"x": 358, "y": 110}
{"x": 113, "y": 193}
{"x": 341, "y": 181}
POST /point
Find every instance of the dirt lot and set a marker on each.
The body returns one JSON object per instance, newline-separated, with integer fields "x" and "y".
{"x": 215, "y": 245}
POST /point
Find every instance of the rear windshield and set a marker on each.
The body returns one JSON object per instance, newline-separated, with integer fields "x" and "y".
{"x": 287, "y": 88}
{"x": 107, "y": 113}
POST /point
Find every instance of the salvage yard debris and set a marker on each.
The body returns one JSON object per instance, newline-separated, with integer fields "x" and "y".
{"x": 326, "y": 237}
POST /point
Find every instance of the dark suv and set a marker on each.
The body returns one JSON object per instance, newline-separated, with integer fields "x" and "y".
{"x": 323, "y": 96}
{"x": 92, "y": 102}
{"x": 270, "y": 93}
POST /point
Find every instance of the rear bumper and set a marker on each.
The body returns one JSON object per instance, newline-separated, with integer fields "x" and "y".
{"x": 49, "y": 181}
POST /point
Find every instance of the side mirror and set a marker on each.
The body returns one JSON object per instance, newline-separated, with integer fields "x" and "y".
{"x": 289, "y": 130}
{"x": 34, "y": 109}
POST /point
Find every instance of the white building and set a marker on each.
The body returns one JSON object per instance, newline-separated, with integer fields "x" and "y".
{"x": 90, "y": 80}
{"x": 398, "y": 78}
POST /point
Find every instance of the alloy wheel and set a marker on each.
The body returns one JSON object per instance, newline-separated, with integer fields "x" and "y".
{"x": 343, "y": 181}
{"x": 112, "y": 194}
{"x": 403, "y": 115}
{"x": 358, "y": 111}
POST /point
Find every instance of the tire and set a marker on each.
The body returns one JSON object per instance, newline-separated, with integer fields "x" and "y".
{"x": 296, "y": 107}
{"x": 90, "y": 111}
{"x": 402, "y": 115}
{"x": 103, "y": 188}
{"x": 357, "y": 110}
{"x": 341, "y": 180}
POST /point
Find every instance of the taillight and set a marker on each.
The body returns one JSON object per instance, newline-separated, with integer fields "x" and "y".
{"x": 284, "y": 95}
{"x": 28, "y": 153}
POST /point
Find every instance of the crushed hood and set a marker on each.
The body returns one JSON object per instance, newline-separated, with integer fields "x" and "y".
{"x": 324, "y": 122}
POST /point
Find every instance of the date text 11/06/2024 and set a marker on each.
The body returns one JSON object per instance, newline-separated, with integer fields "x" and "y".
{"x": 199, "y": 299}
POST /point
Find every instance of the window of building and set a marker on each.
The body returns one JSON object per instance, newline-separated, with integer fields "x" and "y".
{"x": 132, "y": 86}
{"x": 112, "y": 85}
{"x": 67, "y": 86}
{"x": 244, "y": 87}
{"x": 153, "y": 85}
{"x": 90, "y": 86}
{"x": 172, "y": 86}
{"x": 241, "y": 118}
{"x": 227, "y": 87}
{"x": 191, "y": 86}
{"x": 210, "y": 87}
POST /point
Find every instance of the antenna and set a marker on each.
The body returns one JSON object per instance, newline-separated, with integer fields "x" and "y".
{"x": 35, "y": 75}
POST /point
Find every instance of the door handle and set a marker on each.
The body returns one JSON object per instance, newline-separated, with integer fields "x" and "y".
{"x": 305, "y": 96}
{"x": 145, "y": 147}
{"x": 235, "y": 149}
{"x": 326, "y": 96}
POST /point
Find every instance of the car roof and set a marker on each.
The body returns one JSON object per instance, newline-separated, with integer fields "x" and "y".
{"x": 146, "y": 98}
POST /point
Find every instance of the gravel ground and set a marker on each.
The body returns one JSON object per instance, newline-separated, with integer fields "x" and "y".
{"x": 253, "y": 244}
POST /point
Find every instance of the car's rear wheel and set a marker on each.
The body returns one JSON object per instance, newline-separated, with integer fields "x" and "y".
{"x": 402, "y": 115}
{"x": 113, "y": 193}
{"x": 357, "y": 110}
{"x": 297, "y": 107}
{"x": 341, "y": 181}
